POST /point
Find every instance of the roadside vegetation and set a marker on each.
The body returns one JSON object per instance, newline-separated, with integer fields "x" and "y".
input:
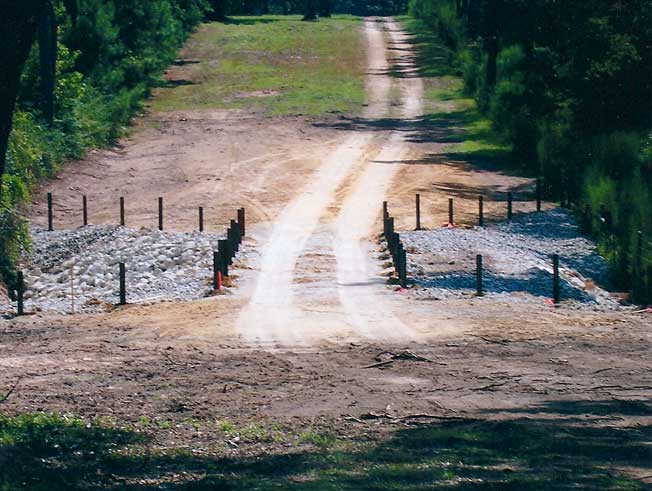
{"x": 43, "y": 452}
{"x": 566, "y": 85}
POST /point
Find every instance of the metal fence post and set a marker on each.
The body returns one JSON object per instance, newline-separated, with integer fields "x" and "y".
{"x": 50, "y": 227}
{"x": 84, "y": 210}
{"x": 160, "y": 213}
{"x": 556, "y": 290}
{"x": 478, "y": 276}
{"x": 21, "y": 293}
{"x": 418, "y": 210}
{"x": 481, "y": 211}
{"x": 123, "y": 284}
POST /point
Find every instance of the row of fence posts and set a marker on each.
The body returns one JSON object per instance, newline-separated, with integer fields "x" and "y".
{"x": 121, "y": 213}
{"x": 395, "y": 246}
{"x": 222, "y": 259}
{"x": 451, "y": 209}
{"x": 398, "y": 253}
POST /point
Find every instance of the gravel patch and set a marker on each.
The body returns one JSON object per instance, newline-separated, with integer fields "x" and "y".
{"x": 517, "y": 258}
{"x": 160, "y": 266}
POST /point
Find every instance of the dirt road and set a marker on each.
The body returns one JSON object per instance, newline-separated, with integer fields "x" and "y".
{"x": 337, "y": 213}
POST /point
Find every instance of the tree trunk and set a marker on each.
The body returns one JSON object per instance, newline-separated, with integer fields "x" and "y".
{"x": 491, "y": 47}
{"x": 324, "y": 8}
{"x": 493, "y": 20}
{"x": 18, "y": 24}
{"x": 310, "y": 10}
{"x": 47, "y": 39}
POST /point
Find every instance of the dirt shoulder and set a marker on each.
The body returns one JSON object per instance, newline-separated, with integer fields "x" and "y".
{"x": 586, "y": 378}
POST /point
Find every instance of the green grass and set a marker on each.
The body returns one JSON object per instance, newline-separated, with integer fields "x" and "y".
{"x": 275, "y": 64}
{"x": 544, "y": 450}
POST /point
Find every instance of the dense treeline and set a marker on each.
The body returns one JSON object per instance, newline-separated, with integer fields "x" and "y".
{"x": 309, "y": 8}
{"x": 570, "y": 85}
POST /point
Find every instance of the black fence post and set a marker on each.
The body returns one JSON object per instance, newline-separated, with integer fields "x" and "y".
{"x": 201, "y": 218}
{"x": 418, "y": 207}
{"x": 84, "y": 210}
{"x": 556, "y": 290}
{"x": 478, "y": 276}
{"x": 539, "y": 194}
{"x": 122, "y": 211}
{"x": 123, "y": 285}
{"x": 235, "y": 236}
{"x": 50, "y": 227}
{"x": 481, "y": 211}
{"x": 21, "y": 293}
{"x": 160, "y": 213}
{"x": 510, "y": 212}
{"x": 450, "y": 212}
{"x": 242, "y": 221}
{"x": 224, "y": 253}
{"x": 385, "y": 210}
{"x": 403, "y": 273}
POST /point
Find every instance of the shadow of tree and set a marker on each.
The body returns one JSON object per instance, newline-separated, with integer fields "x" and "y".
{"x": 545, "y": 450}
{"x": 537, "y": 283}
{"x": 249, "y": 21}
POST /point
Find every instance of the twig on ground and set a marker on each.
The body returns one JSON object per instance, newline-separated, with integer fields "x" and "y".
{"x": 380, "y": 364}
{"x": 404, "y": 355}
{"x": 491, "y": 386}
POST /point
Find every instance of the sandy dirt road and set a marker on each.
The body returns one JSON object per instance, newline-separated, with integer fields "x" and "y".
{"x": 360, "y": 306}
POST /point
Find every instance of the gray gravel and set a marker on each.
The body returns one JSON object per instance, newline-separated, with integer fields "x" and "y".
{"x": 160, "y": 265}
{"x": 517, "y": 261}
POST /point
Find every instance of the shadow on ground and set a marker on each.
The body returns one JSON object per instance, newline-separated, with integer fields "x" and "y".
{"x": 541, "y": 448}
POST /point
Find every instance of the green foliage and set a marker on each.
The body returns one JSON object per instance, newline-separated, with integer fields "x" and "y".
{"x": 573, "y": 98}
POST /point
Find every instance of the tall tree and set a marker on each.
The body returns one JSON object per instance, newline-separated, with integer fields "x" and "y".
{"x": 18, "y": 25}
{"x": 47, "y": 39}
